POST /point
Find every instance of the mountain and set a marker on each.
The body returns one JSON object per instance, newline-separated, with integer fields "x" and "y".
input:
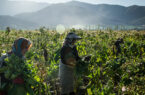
{"x": 80, "y": 13}
{"x": 17, "y": 7}
{"x": 140, "y": 21}
{"x": 70, "y": 13}
{"x": 75, "y": 12}
{"x": 15, "y": 23}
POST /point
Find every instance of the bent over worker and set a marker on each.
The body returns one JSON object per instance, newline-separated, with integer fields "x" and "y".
{"x": 19, "y": 49}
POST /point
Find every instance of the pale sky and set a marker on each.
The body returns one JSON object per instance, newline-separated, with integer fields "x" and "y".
{"x": 118, "y": 2}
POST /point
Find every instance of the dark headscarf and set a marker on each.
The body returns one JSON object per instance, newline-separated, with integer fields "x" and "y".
{"x": 70, "y": 38}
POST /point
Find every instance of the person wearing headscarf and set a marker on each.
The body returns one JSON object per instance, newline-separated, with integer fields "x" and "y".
{"x": 19, "y": 48}
{"x": 69, "y": 57}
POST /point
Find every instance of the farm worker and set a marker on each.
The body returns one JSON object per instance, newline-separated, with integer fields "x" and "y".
{"x": 19, "y": 48}
{"x": 69, "y": 57}
{"x": 118, "y": 46}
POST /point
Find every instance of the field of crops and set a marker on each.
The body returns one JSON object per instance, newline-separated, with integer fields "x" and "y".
{"x": 109, "y": 72}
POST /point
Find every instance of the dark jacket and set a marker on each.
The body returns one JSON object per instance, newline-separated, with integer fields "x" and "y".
{"x": 67, "y": 51}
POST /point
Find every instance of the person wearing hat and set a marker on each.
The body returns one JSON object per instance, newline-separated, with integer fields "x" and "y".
{"x": 19, "y": 48}
{"x": 69, "y": 57}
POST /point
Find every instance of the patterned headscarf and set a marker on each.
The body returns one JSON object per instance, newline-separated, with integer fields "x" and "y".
{"x": 19, "y": 45}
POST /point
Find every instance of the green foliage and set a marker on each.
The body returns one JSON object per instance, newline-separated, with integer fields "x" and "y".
{"x": 18, "y": 67}
{"x": 107, "y": 73}
{"x": 82, "y": 68}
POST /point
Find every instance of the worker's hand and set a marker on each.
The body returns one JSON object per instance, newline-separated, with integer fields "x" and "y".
{"x": 87, "y": 58}
{"x": 71, "y": 62}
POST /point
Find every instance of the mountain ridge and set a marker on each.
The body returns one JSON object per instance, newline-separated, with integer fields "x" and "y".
{"x": 74, "y": 13}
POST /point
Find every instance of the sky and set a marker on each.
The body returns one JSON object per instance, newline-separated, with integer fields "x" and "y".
{"x": 118, "y": 2}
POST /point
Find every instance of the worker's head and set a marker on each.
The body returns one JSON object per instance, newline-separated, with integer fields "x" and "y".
{"x": 21, "y": 46}
{"x": 71, "y": 38}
